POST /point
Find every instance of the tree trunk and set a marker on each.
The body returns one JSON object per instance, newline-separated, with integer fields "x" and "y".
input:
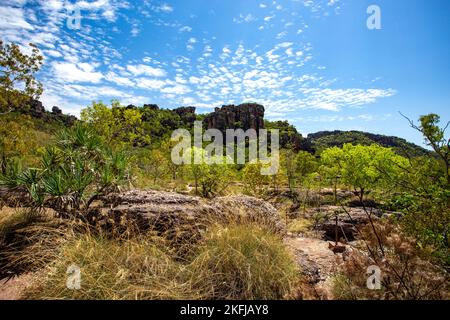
{"x": 3, "y": 164}
{"x": 361, "y": 195}
{"x": 335, "y": 192}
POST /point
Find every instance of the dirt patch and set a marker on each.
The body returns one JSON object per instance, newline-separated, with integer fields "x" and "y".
{"x": 13, "y": 289}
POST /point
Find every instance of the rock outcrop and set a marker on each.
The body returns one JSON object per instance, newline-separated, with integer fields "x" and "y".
{"x": 244, "y": 116}
{"x": 172, "y": 212}
{"x": 37, "y": 110}
{"x": 318, "y": 264}
{"x": 187, "y": 114}
{"x": 348, "y": 220}
{"x": 151, "y": 106}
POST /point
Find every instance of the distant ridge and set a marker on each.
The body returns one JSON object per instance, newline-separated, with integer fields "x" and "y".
{"x": 326, "y": 139}
{"x": 244, "y": 116}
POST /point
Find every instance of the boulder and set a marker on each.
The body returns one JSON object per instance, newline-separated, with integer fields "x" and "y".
{"x": 349, "y": 220}
{"x": 56, "y": 110}
{"x": 174, "y": 212}
{"x": 37, "y": 109}
{"x": 187, "y": 114}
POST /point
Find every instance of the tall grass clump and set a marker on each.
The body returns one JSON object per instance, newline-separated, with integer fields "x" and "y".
{"x": 29, "y": 240}
{"x": 240, "y": 261}
{"x": 113, "y": 270}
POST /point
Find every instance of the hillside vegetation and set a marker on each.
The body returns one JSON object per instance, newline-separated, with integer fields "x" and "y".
{"x": 327, "y": 139}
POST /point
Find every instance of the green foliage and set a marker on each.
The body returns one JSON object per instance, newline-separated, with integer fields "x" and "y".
{"x": 117, "y": 124}
{"x": 154, "y": 164}
{"x": 328, "y": 139}
{"x": 17, "y": 139}
{"x": 73, "y": 172}
{"x": 435, "y": 138}
{"x": 254, "y": 182}
{"x": 306, "y": 164}
{"x": 17, "y": 76}
{"x": 362, "y": 167}
{"x": 212, "y": 173}
{"x": 290, "y": 138}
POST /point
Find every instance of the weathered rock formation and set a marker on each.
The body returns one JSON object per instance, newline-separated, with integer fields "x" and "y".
{"x": 187, "y": 114}
{"x": 244, "y": 116}
{"x": 349, "y": 220}
{"x": 151, "y": 106}
{"x": 181, "y": 218}
{"x": 37, "y": 110}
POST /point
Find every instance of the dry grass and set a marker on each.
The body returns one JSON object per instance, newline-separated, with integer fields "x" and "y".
{"x": 113, "y": 270}
{"x": 300, "y": 226}
{"x": 407, "y": 270}
{"x": 240, "y": 261}
{"x": 232, "y": 262}
{"x": 28, "y": 240}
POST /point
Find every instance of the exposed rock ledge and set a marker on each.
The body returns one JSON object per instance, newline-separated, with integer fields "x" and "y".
{"x": 165, "y": 211}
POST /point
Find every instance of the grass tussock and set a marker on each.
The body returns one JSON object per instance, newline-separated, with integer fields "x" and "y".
{"x": 300, "y": 226}
{"x": 28, "y": 240}
{"x": 244, "y": 262}
{"x": 231, "y": 262}
{"x": 113, "y": 270}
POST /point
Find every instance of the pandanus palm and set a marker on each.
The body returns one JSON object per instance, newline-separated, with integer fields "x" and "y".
{"x": 74, "y": 171}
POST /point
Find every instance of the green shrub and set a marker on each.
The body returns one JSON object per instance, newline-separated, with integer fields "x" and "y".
{"x": 74, "y": 172}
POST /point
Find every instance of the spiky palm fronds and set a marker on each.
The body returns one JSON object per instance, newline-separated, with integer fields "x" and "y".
{"x": 75, "y": 170}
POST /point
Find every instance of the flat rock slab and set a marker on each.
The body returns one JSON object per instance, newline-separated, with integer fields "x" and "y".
{"x": 317, "y": 262}
{"x": 168, "y": 209}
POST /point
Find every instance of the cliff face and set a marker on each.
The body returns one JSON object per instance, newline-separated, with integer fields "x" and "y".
{"x": 244, "y": 116}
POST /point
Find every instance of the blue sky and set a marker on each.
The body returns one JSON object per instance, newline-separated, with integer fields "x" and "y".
{"x": 312, "y": 62}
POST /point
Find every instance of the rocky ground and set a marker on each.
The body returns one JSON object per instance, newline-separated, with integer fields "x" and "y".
{"x": 317, "y": 262}
{"x": 316, "y": 255}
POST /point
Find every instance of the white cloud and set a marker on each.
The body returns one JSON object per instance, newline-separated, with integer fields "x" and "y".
{"x": 81, "y": 72}
{"x": 244, "y": 18}
{"x": 335, "y": 99}
{"x": 151, "y": 84}
{"x": 163, "y": 8}
{"x": 281, "y": 35}
{"x": 135, "y": 31}
{"x": 185, "y": 29}
{"x": 13, "y": 18}
{"x": 53, "y": 53}
{"x": 177, "y": 89}
{"x": 141, "y": 69}
{"x": 118, "y": 80}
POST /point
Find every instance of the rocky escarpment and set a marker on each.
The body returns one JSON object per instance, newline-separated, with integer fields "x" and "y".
{"x": 244, "y": 116}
